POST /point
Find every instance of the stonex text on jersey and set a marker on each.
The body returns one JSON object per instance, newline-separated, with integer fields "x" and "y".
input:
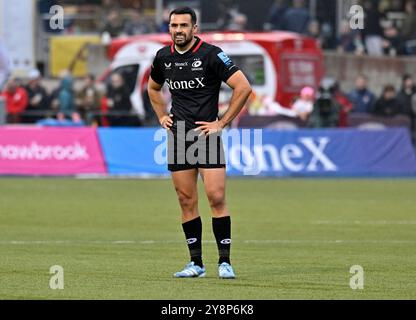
{"x": 194, "y": 79}
{"x": 191, "y": 84}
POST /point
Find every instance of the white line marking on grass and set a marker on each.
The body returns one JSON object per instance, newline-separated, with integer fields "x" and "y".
{"x": 364, "y": 222}
{"x": 330, "y": 241}
{"x": 151, "y": 242}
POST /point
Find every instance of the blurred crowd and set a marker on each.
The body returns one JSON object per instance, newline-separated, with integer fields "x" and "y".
{"x": 91, "y": 102}
{"x": 389, "y": 25}
{"x": 330, "y": 107}
{"x": 27, "y": 101}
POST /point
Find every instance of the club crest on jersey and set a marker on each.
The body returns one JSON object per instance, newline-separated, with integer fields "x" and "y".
{"x": 196, "y": 65}
{"x": 185, "y": 84}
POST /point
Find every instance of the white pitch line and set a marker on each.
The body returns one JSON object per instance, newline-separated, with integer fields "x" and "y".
{"x": 150, "y": 242}
{"x": 364, "y": 222}
{"x": 330, "y": 241}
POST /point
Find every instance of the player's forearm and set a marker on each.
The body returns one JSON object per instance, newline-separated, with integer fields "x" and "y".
{"x": 158, "y": 103}
{"x": 238, "y": 100}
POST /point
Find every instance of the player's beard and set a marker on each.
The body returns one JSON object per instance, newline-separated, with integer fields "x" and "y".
{"x": 184, "y": 40}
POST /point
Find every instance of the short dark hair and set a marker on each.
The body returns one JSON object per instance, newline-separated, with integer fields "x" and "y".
{"x": 389, "y": 88}
{"x": 406, "y": 77}
{"x": 184, "y": 10}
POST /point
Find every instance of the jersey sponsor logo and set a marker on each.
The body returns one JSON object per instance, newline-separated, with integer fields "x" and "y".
{"x": 185, "y": 84}
{"x": 191, "y": 240}
{"x": 225, "y": 241}
{"x": 226, "y": 59}
{"x": 197, "y": 64}
{"x": 181, "y": 64}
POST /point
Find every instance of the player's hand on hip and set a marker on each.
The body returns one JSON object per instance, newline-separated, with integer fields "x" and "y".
{"x": 208, "y": 128}
{"x": 166, "y": 121}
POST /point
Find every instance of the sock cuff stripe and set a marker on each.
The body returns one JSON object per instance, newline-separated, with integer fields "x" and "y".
{"x": 195, "y": 253}
{"x": 196, "y": 220}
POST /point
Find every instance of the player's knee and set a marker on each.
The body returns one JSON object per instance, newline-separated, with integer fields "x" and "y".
{"x": 216, "y": 199}
{"x": 186, "y": 200}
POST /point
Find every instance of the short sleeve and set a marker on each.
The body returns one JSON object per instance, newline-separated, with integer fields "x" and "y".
{"x": 156, "y": 71}
{"x": 222, "y": 65}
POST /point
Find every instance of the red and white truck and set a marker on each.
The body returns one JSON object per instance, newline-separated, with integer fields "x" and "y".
{"x": 277, "y": 64}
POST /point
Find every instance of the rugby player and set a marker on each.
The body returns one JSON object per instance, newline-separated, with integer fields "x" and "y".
{"x": 194, "y": 70}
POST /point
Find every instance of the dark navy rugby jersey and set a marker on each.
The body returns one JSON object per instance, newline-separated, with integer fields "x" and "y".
{"x": 194, "y": 79}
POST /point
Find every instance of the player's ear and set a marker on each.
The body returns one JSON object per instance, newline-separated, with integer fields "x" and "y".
{"x": 195, "y": 28}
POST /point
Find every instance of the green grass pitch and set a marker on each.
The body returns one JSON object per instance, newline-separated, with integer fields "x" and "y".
{"x": 292, "y": 239}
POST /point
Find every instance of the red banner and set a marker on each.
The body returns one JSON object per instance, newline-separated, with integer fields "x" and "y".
{"x": 50, "y": 151}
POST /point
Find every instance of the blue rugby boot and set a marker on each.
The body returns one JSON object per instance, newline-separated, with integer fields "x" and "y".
{"x": 191, "y": 271}
{"x": 225, "y": 271}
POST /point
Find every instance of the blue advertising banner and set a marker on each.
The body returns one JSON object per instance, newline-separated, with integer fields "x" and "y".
{"x": 132, "y": 151}
{"x": 332, "y": 152}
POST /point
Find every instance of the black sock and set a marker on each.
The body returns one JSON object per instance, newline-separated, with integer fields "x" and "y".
{"x": 193, "y": 234}
{"x": 222, "y": 232}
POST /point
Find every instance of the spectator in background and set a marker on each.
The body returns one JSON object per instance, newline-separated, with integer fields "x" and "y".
{"x": 114, "y": 24}
{"x": 136, "y": 25}
{"x": 164, "y": 26}
{"x": 345, "y": 106}
{"x": 118, "y": 101}
{"x": 303, "y": 106}
{"x": 373, "y": 31}
{"x": 361, "y": 98}
{"x": 388, "y": 105}
{"x": 296, "y": 18}
{"x": 314, "y": 31}
{"x": 225, "y": 9}
{"x": 118, "y": 96}
{"x": 349, "y": 41}
{"x": 238, "y": 21}
{"x": 321, "y": 33}
{"x": 326, "y": 110}
{"x": 392, "y": 42}
{"x": 344, "y": 103}
{"x": 66, "y": 98}
{"x": 408, "y": 31}
{"x": 16, "y": 100}
{"x": 407, "y": 93}
{"x": 277, "y": 12}
{"x": 407, "y": 98}
{"x": 38, "y": 97}
{"x": 88, "y": 98}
